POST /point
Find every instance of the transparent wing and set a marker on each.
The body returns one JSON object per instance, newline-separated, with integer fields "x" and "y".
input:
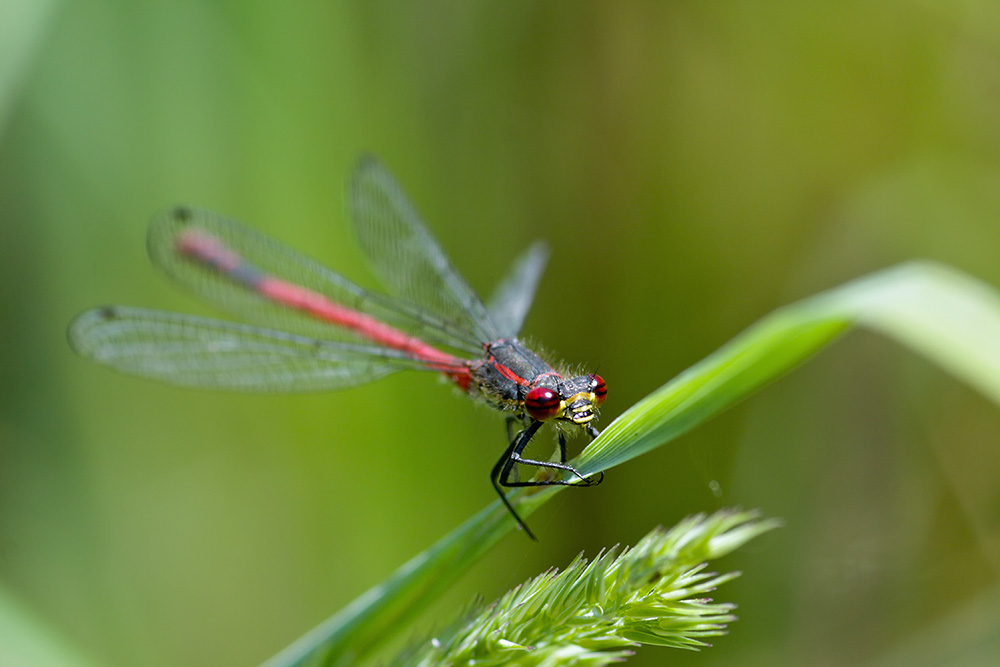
{"x": 512, "y": 298}
{"x": 200, "y": 352}
{"x": 256, "y": 255}
{"x": 405, "y": 255}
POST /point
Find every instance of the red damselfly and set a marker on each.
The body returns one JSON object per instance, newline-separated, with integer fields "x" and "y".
{"x": 312, "y": 329}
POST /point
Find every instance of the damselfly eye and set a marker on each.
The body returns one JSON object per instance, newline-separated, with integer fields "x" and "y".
{"x": 600, "y": 389}
{"x": 542, "y": 403}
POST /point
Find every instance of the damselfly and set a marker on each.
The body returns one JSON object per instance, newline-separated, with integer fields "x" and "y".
{"x": 319, "y": 331}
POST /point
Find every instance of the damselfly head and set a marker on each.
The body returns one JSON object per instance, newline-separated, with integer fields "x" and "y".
{"x": 588, "y": 392}
{"x": 575, "y": 400}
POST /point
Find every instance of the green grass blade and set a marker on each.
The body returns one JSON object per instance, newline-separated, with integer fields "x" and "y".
{"x": 950, "y": 318}
{"x": 24, "y": 26}
{"x": 26, "y": 640}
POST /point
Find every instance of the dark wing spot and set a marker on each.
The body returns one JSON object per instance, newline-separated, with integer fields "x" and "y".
{"x": 183, "y": 214}
{"x": 108, "y": 313}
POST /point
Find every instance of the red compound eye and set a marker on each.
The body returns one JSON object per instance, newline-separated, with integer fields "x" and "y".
{"x": 600, "y": 389}
{"x": 542, "y": 403}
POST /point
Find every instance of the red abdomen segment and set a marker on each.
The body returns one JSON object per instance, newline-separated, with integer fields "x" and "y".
{"x": 210, "y": 251}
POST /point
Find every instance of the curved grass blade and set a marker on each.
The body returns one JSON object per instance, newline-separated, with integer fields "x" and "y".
{"x": 24, "y": 27}
{"x": 26, "y": 639}
{"x": 942, "y": 314}
{"x": 947, "y": 316}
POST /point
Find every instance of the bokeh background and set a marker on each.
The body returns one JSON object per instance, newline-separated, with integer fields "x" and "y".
{"x": 694, "y": 165}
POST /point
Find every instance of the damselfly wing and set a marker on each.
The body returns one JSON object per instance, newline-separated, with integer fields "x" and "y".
{"x": 310, "y": 329}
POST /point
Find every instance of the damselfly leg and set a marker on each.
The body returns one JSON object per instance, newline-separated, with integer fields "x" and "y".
{"x": 506, "y": 466}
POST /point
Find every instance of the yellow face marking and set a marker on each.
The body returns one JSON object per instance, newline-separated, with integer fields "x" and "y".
{"x": 577, "y": 418}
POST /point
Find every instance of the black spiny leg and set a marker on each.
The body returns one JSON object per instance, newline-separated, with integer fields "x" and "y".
{"x": 502, "y": 469}
{"x": 500, "y": 476}
{"x": 512, "y": 457}
{"x": 586, "y": 481}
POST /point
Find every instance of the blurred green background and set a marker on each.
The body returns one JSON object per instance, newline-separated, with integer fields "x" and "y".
{"x": 694, "y": 165}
